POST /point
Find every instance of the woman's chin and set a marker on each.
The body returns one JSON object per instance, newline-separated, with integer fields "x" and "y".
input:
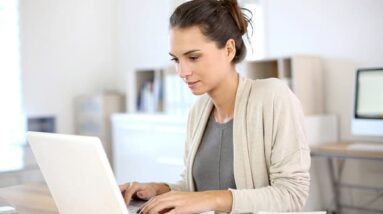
{"x": 197, "y": 93}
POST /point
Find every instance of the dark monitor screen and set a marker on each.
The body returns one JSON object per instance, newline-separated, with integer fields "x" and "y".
{"x": 42, "y": 124}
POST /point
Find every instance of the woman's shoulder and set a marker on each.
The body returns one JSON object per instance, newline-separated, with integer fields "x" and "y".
{"x": 271, "y": 93}
{"x": 268, "y": 87}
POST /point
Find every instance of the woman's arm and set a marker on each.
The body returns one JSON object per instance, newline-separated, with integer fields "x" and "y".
{"x": 287, "y": 192}
{"x": 287, "y": 156}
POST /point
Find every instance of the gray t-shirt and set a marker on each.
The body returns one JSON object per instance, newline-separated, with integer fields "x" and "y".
{"x": 213, "y": 163}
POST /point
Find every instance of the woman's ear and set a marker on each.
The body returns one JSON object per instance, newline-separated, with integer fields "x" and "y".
{"x": 230, "y": 49}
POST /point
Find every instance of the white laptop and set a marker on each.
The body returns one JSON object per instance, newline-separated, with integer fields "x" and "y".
{"x": 78, "y": 174}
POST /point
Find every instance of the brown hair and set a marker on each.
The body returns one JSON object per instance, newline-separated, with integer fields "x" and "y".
{"x": 219, "y": 20}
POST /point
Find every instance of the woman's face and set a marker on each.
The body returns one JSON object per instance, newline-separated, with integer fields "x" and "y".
{"x": 200, "y": 63}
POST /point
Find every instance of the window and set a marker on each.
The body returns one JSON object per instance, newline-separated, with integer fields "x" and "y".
{"x": 12, "y": 119}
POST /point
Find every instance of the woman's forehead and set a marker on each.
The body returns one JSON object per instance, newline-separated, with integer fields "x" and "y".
{"x": 182, "y": 39}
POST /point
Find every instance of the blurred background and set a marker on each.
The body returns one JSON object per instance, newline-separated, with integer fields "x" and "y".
{"x": 101, "y": 68}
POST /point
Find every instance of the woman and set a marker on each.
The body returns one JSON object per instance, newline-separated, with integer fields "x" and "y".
{"x": 246, "y": 149}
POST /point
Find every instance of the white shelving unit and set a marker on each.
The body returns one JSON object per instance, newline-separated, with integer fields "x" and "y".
{"x": 160, "y": 90}
{"x": 93, "y": 116}
{"x": 302, "y": 73}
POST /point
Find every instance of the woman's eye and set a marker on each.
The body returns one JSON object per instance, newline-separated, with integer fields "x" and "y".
{"x": 193, "y": 58}
{"x": 174, "y": 60}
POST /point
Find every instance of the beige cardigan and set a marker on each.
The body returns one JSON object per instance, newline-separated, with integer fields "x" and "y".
{"x": 271, "y": 154}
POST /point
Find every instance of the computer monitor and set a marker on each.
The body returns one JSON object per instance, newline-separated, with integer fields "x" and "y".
{"x": 368, "y": 102}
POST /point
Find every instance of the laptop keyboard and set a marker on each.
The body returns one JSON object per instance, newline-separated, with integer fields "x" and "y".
{"x": 134, "y": 206}
{"x": 133, "y": 209}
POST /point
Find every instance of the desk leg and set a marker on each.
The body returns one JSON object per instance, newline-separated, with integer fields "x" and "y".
{"x": 335, "y": 185}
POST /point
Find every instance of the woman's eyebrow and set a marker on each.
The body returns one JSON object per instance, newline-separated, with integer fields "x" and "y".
{"x": 186, "y": 53}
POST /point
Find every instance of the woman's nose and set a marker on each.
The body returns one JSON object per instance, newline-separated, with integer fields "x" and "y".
{"x": 184, "y": 70}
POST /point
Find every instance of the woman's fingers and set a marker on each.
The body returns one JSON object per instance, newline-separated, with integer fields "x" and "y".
{"x": 143, "y": 191}
{"x": 159, "y": 204}
{"x": 123, "y": 187}
{"x": 169, "y": 211}
{"x": 131, "y": 190}
{"x": 144, "y": 194}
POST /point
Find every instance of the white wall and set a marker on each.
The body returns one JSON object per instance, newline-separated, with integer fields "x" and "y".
{"x": 347, "y": 34}
{"x": 142, "y": 39}
{"x": 68, "y": 49}
{"x": 74, "y": 47}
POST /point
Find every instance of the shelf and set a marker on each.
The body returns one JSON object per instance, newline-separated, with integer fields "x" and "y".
{"x": 303, "y": 74}
{"x": 161, "y": 90}
{"x": 262, "y": 69}
{"x": 92, "y": 116}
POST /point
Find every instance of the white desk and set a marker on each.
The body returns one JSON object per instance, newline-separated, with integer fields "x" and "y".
{"x": 29, "y": 199}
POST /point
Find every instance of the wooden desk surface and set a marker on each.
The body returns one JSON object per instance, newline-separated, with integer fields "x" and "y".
{"x": 29, "y": 199}
{"x": 341, "y": 149}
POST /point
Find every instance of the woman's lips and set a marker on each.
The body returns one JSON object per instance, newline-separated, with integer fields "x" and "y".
{"x": 192, "y": 83}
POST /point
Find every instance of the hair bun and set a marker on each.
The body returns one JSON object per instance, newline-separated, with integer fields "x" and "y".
{"x": 218, "y": 20}
{"x": 236, "y": 12}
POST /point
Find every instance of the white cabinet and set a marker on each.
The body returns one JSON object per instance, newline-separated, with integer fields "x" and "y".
{"x": 148, "y": 147}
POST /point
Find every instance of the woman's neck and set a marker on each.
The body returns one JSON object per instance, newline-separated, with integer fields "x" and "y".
{"x": 224, "y": 98}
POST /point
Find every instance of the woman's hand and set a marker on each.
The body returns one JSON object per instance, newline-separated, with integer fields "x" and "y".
{"x": 143, "y": 191}
{"x": 189, "y": 202}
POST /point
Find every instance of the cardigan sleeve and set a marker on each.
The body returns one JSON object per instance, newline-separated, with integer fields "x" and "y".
{"x": 288, "y": 169}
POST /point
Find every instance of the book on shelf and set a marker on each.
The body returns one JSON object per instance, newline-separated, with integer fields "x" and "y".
{"x": 163, "y": 91}
{"x": 147, "y": 100}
